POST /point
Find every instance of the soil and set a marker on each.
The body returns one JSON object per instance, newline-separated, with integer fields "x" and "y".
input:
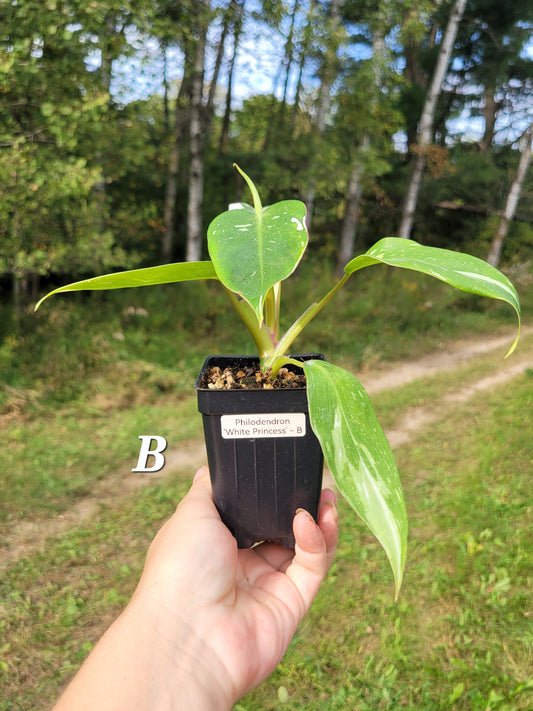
{"x": 31, "y": 536}
{"x": 251, "y": 378}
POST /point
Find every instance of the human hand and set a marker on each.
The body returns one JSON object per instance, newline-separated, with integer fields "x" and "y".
{"x": 207, "y": 622}
{"x": 240, "y": 607}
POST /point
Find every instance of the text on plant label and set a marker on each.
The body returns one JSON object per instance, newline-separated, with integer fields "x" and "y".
{"x": 272, "y": 424}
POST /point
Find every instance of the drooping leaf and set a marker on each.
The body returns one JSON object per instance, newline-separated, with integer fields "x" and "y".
{"x": 462, "y": 271}
{"x": 254, "y": 248}
{"x": 150, "y": 276}
{"x": 358, "y": 456}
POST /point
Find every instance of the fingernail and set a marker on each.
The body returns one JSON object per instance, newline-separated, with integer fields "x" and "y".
{"x": 332, "y": 497}
{"x": 298, "y": 511}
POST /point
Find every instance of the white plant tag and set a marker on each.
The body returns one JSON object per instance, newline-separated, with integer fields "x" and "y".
{"x": 271, "y": 424}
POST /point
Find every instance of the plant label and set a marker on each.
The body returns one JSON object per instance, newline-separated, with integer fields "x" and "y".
{"x": 270, "y": 424}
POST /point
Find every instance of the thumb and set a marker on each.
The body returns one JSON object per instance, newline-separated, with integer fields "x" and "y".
{"x": 310, "y": 562}
{"x": 200, "y": 473}
{"x": 200, "y": 495}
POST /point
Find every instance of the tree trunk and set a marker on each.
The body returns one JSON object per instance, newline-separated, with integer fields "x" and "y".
{"x": 307, "y": 35}
{"x": 288, "y": 60}
{"x": 427, "y": 119}
{"x": 171, "y": 191}
{"x": 208, "y": 111}
{"x": 354, "y": 194}
{"x": 196, "y": 143}
{"x": 107, "y": 53}
{"x": 166, "y": 109}
{"x": 237, "y": 28}
{"x": 489, "y": 113}
{"x": 328, "y": 75}
{"x": 512, "y": 199}
{"x": 105, "y": 72}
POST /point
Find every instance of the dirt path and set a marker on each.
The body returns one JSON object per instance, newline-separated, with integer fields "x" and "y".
{"x": 30, "y": 536}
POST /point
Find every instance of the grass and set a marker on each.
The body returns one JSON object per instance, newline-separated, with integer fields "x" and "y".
{"x": 72, "y": 408}
{"x": 56, "y": 457}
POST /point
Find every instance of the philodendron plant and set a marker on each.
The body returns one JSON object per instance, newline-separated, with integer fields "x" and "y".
{"x": 252, "y": 250}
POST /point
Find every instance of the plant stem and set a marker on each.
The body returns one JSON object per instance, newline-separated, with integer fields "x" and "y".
{"x": 263, "y": 338}
{"x": 271, "y": 310}
{"x": 301, "y": 322}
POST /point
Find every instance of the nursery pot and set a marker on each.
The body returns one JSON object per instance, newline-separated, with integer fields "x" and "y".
{"x": 264, "y": 459}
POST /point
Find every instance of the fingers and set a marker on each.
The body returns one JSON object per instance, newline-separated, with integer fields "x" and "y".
{"x": 315, "y": 548}
{"x": 328, "y": 522}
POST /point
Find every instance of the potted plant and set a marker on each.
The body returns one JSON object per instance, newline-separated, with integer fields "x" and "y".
{"x": 252, "y": 250}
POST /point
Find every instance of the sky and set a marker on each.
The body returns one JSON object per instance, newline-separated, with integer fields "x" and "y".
{"x": 258, "y": 64}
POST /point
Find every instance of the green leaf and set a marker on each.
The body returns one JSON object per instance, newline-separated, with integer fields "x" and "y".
{"x": 358, "y": 456}
{"x": 254, "y": 248}
{"x": 459, "y": 270}
{"x": 164, "y": 274}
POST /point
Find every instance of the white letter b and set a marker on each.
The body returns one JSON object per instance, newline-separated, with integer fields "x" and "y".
{"x": 145, "y": 452}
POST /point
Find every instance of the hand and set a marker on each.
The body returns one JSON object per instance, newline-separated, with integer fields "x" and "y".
{"x": 209, "y": 622}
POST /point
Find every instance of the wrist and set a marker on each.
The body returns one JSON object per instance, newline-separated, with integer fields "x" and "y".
{"x": 184, "y": 672}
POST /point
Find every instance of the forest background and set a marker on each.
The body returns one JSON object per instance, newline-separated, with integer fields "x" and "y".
{"x": 120, "y": 122}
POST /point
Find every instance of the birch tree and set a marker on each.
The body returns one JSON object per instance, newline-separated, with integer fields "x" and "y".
{"x": 427, "y": 119}
{"x": 359, "y": 167}
{"x": 196, "y": 170}
{"x": 328, "y": 74}
{"x": 513, "y": 196}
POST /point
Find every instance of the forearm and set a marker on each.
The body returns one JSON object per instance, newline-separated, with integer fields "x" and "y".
{"x": 138, "y": 665}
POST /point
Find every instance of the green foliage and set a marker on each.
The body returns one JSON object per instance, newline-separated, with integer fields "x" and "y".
{"x": 84, "y": 168}
{"x": 52, "y": 210}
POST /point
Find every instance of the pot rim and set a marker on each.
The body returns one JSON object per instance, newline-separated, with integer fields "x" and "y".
{"x": 229, "y": 358}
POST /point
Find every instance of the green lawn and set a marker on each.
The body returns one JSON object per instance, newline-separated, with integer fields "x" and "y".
{"x": 460, "y": 636}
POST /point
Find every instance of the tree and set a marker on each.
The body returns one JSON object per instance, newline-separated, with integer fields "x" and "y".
{"x": 513, "y": 196}
{"x": 492, "y": 71}
{"x": 328, "y": 72}
{"x": 51, "y": 113}
{"x": 196, "y": 142}
{"x": 237, "y": 21}
{"x": 374, "y": 123}
{"x": 427, "y": 119}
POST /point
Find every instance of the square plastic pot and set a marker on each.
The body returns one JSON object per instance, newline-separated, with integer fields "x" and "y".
{"x": 264, "y": 459}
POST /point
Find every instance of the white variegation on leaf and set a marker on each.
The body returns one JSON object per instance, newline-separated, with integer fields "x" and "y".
{"x": 254, "y": 248}
{"x": 358, "y": 456}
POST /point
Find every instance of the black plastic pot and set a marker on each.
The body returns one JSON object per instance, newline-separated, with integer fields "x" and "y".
{"x": 264, "y": 459}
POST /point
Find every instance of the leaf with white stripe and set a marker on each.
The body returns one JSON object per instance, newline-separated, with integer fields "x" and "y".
{"x": 358, "y": 456}
{"x": 462, "y": 271}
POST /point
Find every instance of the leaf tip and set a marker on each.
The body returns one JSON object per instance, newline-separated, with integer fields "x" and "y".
{"x": 40, "y": 302}
{"x": 397, "y": 587}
